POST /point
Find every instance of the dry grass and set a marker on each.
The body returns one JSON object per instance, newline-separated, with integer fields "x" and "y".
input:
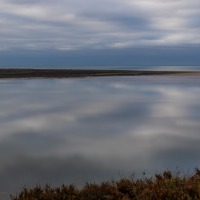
{"x": 165, "y": 186}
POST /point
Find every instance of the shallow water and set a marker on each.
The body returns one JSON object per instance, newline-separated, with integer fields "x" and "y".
{"x": 93, "y": 129}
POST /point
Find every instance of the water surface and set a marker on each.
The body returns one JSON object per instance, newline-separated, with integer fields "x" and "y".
{"x": 93, "y": 129}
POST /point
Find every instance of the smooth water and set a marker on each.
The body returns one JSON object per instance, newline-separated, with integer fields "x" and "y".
{"x": 93, "y": 129}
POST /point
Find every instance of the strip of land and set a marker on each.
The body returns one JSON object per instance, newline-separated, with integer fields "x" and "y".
{"x": 67, "y": 73}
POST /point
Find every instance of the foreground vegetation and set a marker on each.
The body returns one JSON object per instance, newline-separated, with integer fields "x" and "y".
{"x": 165, "y": 186}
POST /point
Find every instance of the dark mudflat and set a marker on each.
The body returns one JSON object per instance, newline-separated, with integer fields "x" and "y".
{"x": 66, "y": 73}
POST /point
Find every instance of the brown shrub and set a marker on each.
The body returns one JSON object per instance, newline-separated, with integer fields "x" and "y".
{"x": 165, "y": 186}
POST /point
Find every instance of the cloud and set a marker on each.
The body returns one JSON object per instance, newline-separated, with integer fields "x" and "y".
{"x": 87, "y": 24}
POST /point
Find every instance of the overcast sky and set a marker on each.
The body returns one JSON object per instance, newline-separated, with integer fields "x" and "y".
{"x": 79, "y": 25}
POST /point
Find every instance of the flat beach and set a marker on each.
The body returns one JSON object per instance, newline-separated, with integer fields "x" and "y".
{"x": 67, "y": 73}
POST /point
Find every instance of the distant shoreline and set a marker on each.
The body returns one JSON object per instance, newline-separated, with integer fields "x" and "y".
{"x": 70, "y": 73}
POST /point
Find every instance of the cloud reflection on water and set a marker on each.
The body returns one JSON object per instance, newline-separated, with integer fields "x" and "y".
{"x": 75, "y": 130}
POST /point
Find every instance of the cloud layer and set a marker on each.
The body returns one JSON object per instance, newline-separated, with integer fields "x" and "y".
{"x": 68, "y": 25}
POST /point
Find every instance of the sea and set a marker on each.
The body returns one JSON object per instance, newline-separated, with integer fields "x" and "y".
{"x": 78, "y": 130}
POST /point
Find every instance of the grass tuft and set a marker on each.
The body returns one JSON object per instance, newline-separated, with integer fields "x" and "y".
{"x": 163, "y": 186}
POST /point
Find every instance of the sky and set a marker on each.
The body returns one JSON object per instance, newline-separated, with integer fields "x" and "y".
{"x": 85, "y": 32}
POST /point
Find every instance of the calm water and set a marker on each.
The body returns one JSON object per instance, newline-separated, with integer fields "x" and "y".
{"x": 76, "y": 130}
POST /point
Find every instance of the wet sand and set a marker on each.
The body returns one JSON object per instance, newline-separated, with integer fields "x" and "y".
{"x": 67, "y": 73}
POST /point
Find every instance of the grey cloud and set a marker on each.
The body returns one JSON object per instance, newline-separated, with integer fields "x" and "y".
{"x": 193, "y": 22}
{"x": 100, "y": 24}
{"x": 128, "y": 21}
{"x": 30, "y": 2}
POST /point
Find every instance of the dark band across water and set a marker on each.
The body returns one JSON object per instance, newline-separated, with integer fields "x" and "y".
{"x": 66, "y": 73}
